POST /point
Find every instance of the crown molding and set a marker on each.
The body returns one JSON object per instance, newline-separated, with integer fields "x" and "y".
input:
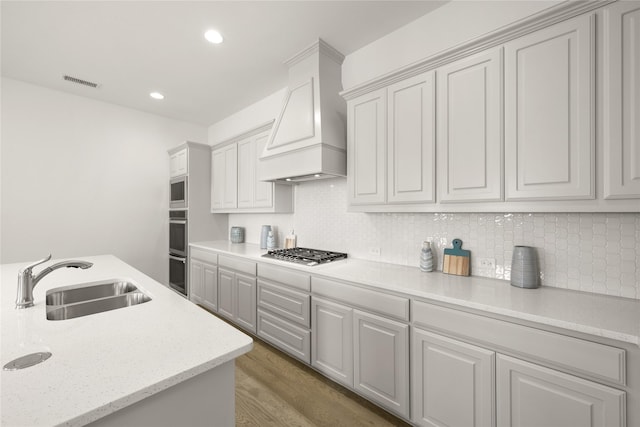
{"x": 319, "y": 46}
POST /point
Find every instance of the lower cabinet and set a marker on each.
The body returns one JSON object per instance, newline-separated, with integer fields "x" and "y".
{"x": 453, "y": 382}
{"x": 291, "y": 339}
{"x": 532, "y": 395}
{"x": 203, "y": 278}
{"x": 204, "y": 284}
{"x": 237, "y": 298}
{"x": 332, "y": 332}
{"x": 363, "y": 351}
{"x": 381, "y": 361}
{"x": 458, "y": 383}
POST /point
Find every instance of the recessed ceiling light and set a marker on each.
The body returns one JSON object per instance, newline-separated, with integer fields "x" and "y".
{"x": 213, "y": 37}
{"x": 156, "y": 95}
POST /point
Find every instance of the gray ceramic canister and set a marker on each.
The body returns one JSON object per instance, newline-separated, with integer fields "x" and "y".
{"x": 525, "y": 268}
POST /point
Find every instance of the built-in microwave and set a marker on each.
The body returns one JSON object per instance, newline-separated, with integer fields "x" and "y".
{"x": 178, "y": 193}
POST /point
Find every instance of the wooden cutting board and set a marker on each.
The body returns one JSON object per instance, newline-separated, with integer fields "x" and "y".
{"x": 456, "y": 260}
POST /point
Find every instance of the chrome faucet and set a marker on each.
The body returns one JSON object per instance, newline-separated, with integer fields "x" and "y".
{"x": 27, "y": 281}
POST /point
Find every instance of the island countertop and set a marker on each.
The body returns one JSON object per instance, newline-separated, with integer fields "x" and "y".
{"x": 104, "y": 362}
{"x": 594, "y": 314}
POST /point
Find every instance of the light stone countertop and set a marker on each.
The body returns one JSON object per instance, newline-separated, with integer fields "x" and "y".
{"x": 104, "y": 362}
{"x": 594, "y": 314}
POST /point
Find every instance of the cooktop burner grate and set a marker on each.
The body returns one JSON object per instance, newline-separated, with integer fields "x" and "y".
{"x": 305, "y": 256}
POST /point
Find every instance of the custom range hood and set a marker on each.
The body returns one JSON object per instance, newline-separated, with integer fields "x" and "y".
{"x": 308, "y": 139}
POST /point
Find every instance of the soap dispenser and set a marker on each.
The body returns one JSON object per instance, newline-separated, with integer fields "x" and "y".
{"x": 290, "y": 240}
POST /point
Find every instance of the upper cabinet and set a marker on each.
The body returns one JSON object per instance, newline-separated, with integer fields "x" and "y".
{"x": 549, "y": 115}
{"x": 235, "y": 186}
{"x": 469, "y": 129}
{"x": 542, "y": 115}
{"x": 391, "y": 146}
{"x": 622, "y": 101}
{"x": 178, "y": 163}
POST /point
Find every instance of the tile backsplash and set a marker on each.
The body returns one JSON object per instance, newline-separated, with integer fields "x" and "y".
{"x": 597, "y": 252}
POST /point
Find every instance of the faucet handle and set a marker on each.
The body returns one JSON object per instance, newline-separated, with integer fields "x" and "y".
{"x": 29, "y": 267}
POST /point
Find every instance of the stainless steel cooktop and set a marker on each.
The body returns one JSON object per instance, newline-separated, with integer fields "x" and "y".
{"x": 305, "y": 256}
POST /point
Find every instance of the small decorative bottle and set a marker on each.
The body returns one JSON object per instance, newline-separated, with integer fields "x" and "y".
{"x": 426, "y": 257}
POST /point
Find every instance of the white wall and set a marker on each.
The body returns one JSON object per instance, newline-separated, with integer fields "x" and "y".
{"x": 249, "y": 118}
{"x": 447, "y": 26}
{"x": 82, "y": 177}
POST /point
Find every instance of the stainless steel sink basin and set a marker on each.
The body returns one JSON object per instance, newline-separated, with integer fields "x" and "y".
{"x": 90, "y": 292}
{"x": 71, "y": 311}
{"x": 91, "y": 298}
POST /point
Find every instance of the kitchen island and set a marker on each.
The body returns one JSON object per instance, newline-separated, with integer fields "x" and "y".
{"x": 163, "y": 362}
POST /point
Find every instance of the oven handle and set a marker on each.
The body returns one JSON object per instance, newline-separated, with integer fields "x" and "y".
{"x": 183, "y": 260}
{"x": 178, "y": 221}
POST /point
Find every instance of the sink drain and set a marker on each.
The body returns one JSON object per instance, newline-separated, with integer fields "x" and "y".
{"x": 26, "y": 361}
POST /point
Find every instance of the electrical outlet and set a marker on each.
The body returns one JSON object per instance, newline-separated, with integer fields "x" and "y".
{"x": 374, "y": 251}
{"x": 487, "y": 263}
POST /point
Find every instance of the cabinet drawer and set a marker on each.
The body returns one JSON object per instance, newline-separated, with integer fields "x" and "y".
{"x": 285, "y": 302}
{"x": 289, "y": 338}
{"x": 237, "y": 264}
{"x": 206, "y": 256}
{"x": 292, "y": 278}
{"x": 567, "y": 353}
{"x": 387, "y": 305}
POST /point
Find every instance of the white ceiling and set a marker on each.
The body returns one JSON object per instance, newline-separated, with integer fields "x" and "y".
{"x": 134, "y": 47}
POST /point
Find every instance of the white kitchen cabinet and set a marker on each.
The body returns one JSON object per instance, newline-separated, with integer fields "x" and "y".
{"x": 381, "y": 361}
{"x": 532, "y": 395}
{"x": 332, "y": 335}
{"x": 224, "y": 178}
{"x": 470, "y": 120}
{"x": 237, "y": 291}
{"x": 549, "y": 112}
{"x": 236, "y": 187}
{"x": 203, "y": 280}
{"x": 178, "y": 163}
{"x": 237, "y": 298}
{"x": 391, "y": 145}
{"x": 453, "y": 382}
{"x": 411, "y": 141}
{"x": 366, "y": 151}
{"x": 360, "y": 343}
{"x": 622, "y": 101}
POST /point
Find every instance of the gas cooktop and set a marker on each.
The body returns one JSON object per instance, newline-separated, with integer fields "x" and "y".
{"x": 304, "y": 256}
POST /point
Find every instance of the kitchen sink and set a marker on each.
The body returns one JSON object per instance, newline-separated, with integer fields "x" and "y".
{"x": 88, "y": 292}
{"x": 98, "y": 297}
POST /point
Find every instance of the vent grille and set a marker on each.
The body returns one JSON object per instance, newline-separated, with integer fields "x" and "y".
{"x": 80, "y": 81}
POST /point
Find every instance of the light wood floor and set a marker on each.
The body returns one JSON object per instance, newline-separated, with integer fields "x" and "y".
{"x": 273, "y": 389}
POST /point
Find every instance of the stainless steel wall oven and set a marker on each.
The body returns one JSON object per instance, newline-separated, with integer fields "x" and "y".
{"x": 178, "y": 250}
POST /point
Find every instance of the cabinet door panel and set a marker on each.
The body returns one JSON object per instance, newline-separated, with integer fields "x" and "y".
{"x": 217, "y": 179}
{"x": 411, "y": 140}
{"x": 531, "y": 395}
{"x": 549, "y": 119}
{"x": 381, "y": 361}
{"x": 263, "y": 191}
{"x": 230, "y": 177}
{"x": 470, "y": 128}
{"x": 453, "y": 382}
{"x": 246, "y": 173}
{"x": 246, "y": 301}
{"x": 622, "y": 101}
{"x": 366, "y": 149}
{"x": 226, "y": 298}
{"x": 196, "y": 293}
{"x": 332, "y": 333}
{"x": 210, "y": 286}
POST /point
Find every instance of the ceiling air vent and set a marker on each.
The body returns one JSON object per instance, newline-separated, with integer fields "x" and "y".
{"x": 80, "y": 81}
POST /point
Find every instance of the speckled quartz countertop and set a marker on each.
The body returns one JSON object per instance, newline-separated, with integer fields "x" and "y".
{"x": 593, "y": 314}
{"x": 104, "y": 362}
